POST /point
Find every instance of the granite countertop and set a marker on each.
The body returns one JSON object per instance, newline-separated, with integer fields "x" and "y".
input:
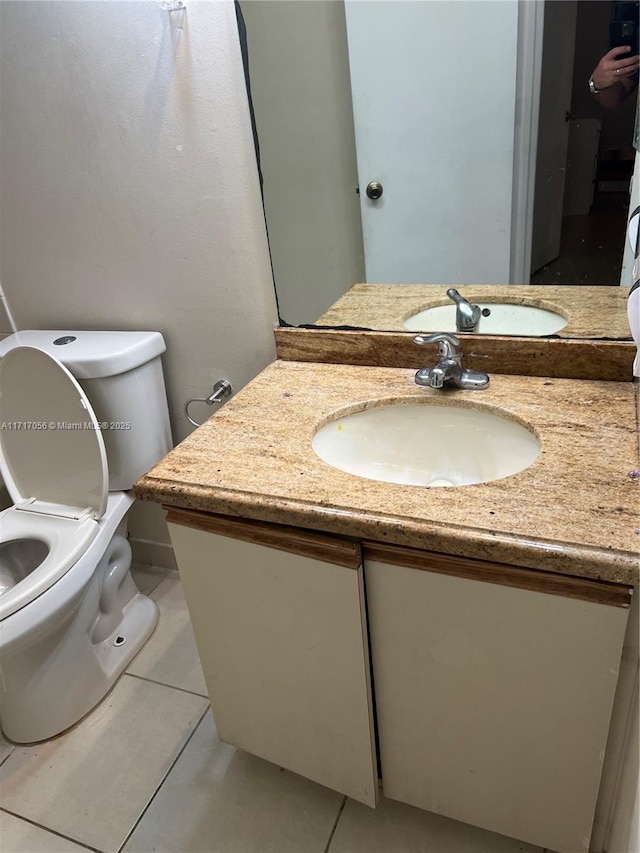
{"x": 574, "y": 511}
{"x": 591, "y": 312}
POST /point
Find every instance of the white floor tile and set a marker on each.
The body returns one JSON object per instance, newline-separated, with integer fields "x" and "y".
{"x": 147, "y": 577}
{"x": 92, "y": 783}
{"x": 18, "y": 836}
{"x": 397, "y": 828}
{"x": 219, "y": 800}
{"x": 170, "y": 656}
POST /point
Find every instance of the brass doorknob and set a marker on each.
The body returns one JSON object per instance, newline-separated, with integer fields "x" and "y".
{"x": 374, "y": 190}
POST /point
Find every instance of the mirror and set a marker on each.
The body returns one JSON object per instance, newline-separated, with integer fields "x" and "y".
{"x": 304, "y": 59}
{"x": 579, "y": 313}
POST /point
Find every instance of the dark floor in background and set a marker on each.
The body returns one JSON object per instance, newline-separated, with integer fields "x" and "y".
{"x": 591, "y": 246}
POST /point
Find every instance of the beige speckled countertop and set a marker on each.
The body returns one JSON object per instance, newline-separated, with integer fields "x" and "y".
{"x": 574, "y": 511}
{"x": 591, "y": 312}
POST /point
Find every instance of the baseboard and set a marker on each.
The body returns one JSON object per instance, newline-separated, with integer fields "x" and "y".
{"x": 154, "y": 553}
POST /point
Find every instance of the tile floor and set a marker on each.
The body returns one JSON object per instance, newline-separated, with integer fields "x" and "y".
{"x": 145, "y": 772}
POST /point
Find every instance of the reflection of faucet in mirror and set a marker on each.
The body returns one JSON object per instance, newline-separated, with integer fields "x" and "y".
{"x": 467, "y": 315}
{"x": 449, "y": 370}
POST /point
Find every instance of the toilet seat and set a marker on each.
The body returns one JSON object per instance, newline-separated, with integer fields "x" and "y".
{"x": 66, "y": 538}
{"x": 53, "y": 462}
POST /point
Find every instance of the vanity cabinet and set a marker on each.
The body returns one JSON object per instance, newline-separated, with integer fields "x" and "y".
{"x": 493, "y": 697}
{"x": 279, "y": 621}
{"x": 494, "y": 685}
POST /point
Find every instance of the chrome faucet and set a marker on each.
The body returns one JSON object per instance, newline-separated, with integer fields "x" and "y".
{"x": 467, "y": 315}
{"x": 449, "y": 370}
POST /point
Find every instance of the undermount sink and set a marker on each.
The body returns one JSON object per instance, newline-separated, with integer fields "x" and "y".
{"x": 427, "y": 444}
{"x": 498, "y": 318}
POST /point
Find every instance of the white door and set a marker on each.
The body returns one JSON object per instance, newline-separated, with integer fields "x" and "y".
{"x": 433, "y": 87}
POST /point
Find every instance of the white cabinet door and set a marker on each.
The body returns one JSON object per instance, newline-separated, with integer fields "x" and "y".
{"x": 493, "y": 702}
{"x": 283, "y": 645}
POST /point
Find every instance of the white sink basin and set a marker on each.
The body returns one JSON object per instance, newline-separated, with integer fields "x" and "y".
{"x": 502, "y": 319}
{"x": 427, "y": 444}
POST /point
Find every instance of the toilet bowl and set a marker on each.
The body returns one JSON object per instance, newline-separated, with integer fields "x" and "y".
{"x": 71, "y": 617}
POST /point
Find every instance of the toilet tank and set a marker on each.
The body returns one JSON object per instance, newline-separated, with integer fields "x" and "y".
{"x": 121, "y": 374}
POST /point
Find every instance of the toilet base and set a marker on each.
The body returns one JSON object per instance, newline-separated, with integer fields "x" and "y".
{"x": 53, "y": 674}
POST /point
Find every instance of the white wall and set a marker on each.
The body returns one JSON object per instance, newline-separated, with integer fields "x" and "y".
{"x": 130, "y": 197}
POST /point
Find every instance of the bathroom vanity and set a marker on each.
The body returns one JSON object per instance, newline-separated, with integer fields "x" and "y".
{"x": 465, "y": 645}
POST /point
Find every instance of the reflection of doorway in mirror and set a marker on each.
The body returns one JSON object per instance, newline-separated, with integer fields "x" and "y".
{"x": 302, "y": 90}
{"x": 582, "y": 201}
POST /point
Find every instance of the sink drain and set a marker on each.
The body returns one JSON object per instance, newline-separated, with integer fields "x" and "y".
{"x": 119, "y": 641}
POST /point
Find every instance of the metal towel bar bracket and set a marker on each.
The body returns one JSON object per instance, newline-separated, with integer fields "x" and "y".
{"x": 221, "y": 390}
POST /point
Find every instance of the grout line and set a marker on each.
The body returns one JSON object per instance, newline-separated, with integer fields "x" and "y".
{"x": 162, "y": 683}
{"x": 10, "y": 753}
{"x": 52, "y": 831}
{"x": 162, "y": 577}
{"x": 335, "y": 825}
{"x": 164, "y": 778}
{"x": 149, "y": 592}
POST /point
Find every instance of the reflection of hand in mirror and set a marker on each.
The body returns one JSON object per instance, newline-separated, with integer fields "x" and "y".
{"x": 615, "y": 77}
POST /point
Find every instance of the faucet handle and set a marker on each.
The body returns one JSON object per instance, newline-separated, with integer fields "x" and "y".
{"x": 467, "y": 315}
{"x": 448, "y": 345}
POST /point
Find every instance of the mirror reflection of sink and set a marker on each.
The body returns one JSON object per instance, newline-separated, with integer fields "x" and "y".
{"x": 498, "y": 318}
{"x": 419, "y": 444}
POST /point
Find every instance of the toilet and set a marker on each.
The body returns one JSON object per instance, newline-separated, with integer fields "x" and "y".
{"x": 82, "y": 416}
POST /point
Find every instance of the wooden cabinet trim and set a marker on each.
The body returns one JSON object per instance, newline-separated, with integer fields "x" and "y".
{"x": 601, "y": 592}
{"x": 349, "y": 553}
{"x": 293, "y": 540}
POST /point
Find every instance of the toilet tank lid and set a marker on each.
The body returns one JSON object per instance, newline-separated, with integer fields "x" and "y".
{"x": 91, "y": 355}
